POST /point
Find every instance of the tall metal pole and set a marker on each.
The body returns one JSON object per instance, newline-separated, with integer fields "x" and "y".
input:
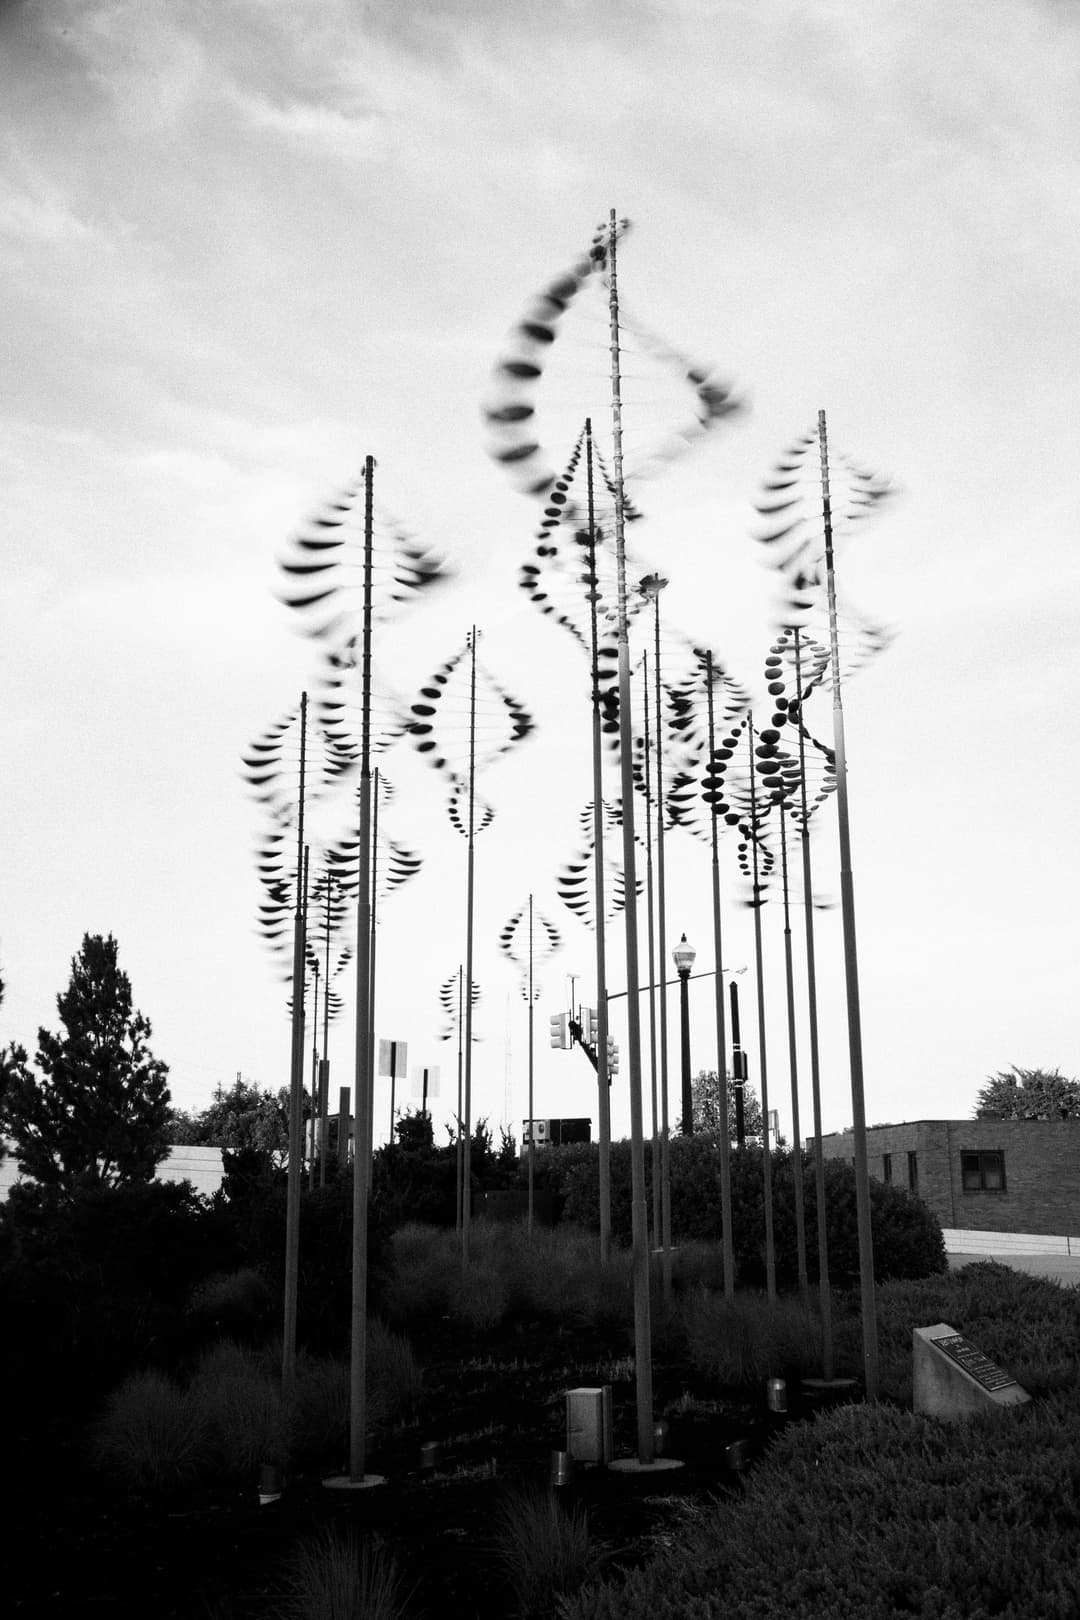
{"x": 766, "y": 1161}
{"x": 824, "y": 1288}
{"x": 657, "y": 1220}
{"x": 296, "y": 1086}
{"x": 459, "y": 1156}
{"x": 466, "y": 1166}
{"x": 793, "y": 1062}
{"x": 314, "y": 1073}
{"x": 532, "y": 1145}
{"x": 687, "y": 1125}
{"x": 646, "y": 1440}
{"x": 851, "y": 963}
{"x": 603, "y": 1079}
{"x": 364, "y": 1085}
{"x": 657, "y": 585}
{"x": 324, "y": 1065}
{"x": 721, "y": 1033}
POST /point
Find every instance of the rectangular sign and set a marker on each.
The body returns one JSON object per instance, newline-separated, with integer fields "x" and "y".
{"x": 392, "y": 1058}
{"x": 982, "y": 1369}
{"x": 432, "y": 1073}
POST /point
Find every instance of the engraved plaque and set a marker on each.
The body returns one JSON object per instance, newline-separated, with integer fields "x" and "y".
{"x": 981, "y": 1368}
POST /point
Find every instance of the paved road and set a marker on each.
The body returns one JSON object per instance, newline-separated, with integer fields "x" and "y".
{"x": 1063, "y": 1268}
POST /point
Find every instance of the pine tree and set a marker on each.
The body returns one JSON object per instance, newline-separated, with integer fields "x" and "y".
{"x": 96, "y": 1114}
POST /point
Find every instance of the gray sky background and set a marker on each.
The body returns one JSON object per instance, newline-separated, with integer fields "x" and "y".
{"x": 243, "y": 245}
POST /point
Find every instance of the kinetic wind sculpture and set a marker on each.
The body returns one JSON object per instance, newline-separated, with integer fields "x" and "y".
{"x": 572, "y": 881}
{"x": 331, "y": 912}
{"x": 462, "y": 721}
{"x": 518, "y": 943}
{"x": 808, "y": 481}
{"x": 512, "y": 413}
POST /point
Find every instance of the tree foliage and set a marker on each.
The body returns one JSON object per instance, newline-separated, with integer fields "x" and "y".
{"x": 240, "y": 1119}
{"x": 705, "y": 1096}
{"x": 95, "y": 1114}
{"x": 1016, "y": 1093}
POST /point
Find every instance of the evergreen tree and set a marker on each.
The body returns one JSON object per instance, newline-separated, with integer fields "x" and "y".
{"x": 1030, "y": 1094}
{"x": 96, "y": 1115}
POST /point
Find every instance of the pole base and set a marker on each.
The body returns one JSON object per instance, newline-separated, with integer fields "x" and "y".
{"x": 631, "y": 1465}
{"x": 344, "y": 1482}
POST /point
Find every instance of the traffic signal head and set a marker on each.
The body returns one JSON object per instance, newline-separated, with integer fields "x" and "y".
{"x": 588, "y": 1025}
{"x": 612, "y": 1055}
{"x": 560, "y": 1030}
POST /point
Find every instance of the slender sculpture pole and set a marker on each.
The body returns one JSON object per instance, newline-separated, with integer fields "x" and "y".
{"x": 374, "y": 1067}
{"x": 364, "y": 1086}
{"x": 851, "y": 963}
{"x": 532, "y": 1145}
{"x": 314, "y": 1071}
{"x": 657, "y": 1179}
{"x": 721, "y": 1032}
{"x": 324, "y": 1064}
{"x": 459, "y": 1156}
{"x": 653, "y": 586}
{"x": 296, "y": 1086}
{"x": 646, "y": 1438}
{"x": 793, "y": 1061}
{"x": 603, "y": 1078}
{"x": 766, "y": 1161}
{"x": 466, "y": 1164}
{"x": 824, "y": 1289}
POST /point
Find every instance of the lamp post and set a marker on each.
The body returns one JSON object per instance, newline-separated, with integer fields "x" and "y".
{"x": 685, "y": 957}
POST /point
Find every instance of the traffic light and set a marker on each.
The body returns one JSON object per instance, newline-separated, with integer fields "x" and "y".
{"x": 560, "y": 1030}
{"x": 588, "y": 1025}
{"x": 612, "y": 1055}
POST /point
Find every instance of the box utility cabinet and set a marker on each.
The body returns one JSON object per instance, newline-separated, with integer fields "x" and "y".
{"x": 589, "y": 1433}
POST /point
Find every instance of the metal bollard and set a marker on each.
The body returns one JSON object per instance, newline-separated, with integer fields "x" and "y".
{"x": 562, "y": 1467}
{"x": 776, "y": 1394}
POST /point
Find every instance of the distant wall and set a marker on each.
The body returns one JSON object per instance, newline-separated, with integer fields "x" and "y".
{"x": 1042, "y": 1170}
{"x": 201, "y": 1166}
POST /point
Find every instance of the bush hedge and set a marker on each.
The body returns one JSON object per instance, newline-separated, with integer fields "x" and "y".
{"x": 907, "y": 1237}
{"x": 869, "y": 1512}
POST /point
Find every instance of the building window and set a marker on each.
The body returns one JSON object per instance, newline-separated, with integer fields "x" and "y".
{"x": 913, "y": 1172}
{"x": 886, "y": 1166}
{"x": 983, "y": 1172}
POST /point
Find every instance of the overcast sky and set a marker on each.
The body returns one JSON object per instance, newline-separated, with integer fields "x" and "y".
{"x": 244, "y": 245}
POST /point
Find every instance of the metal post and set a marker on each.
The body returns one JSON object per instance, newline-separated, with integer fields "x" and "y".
{"x": 466, "y": 1165}
{"x": 851, "y": 963}
{"x": 653, "y": 585}
{"x": 766, "y": 1161}
{"x": 657, "y": 1179}
{"x": 793, "y": 1062}
{"x": 646, "y": 1439}
{"x": 296, "y": 1086}
{"x": 684, "y": 1019}
{"x": 721, "y": 1033}
{"x": 532, "y": 1145}
{"x": 343, "y": 1126}
{"x": 364, "y": 1084}
{"x": 603, "y": 1079}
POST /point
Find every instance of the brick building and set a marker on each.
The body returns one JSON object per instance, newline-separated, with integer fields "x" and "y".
{"x": 980, "y": 1175}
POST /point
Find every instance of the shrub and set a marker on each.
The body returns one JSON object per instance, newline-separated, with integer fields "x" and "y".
{"x": 237, "y": 1305}
{"x": 334, "y": 1575}
{"x": 151, "y": 1434}
{"x": 748, "y": 1340}
{"x": 240, "y": 1407}
{"x": 544, "y": 1552}
{"x": 869, "y": 1512}
{"x": 907, "y": 1237}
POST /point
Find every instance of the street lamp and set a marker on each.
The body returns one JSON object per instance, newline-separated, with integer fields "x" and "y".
{"x": 685, "y": 956}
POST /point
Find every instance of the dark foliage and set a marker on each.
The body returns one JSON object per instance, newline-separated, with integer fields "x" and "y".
{"x": 96, "y": 1114}
{"x": 907, "y": 1237}
{"x": 1030, "y": 1094}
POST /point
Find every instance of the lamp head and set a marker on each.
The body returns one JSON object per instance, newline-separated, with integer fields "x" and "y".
{"x": 685, "y": 956}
